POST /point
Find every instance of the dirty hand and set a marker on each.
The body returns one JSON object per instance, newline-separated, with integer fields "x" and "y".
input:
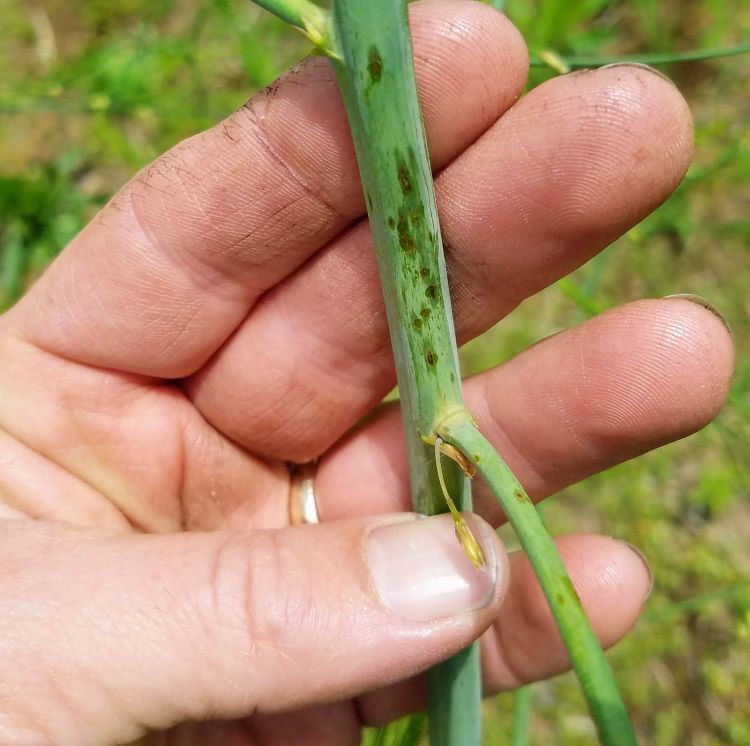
{"x": 222, "y": 316}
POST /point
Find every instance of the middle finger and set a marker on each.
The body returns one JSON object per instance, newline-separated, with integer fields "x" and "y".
{"x": 564, "y": 172}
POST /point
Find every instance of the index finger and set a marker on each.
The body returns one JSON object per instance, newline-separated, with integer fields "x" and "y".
{"x": 160, "y": 279}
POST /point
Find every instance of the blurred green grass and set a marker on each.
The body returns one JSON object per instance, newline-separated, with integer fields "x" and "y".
{"x": 92, "y": 90}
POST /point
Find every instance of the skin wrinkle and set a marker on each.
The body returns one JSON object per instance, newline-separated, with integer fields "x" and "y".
{"x": 316, "y": 195}
{"x": 226, "y": 608}
{"x": 142, "y": 282}
{"x": 125, "y": 477}
{"x": 34, "y": 497}
{"x": 215, "y": 265}
{"x": 53, "y": 455}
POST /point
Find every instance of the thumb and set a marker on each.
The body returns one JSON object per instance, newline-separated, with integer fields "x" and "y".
{"x": 105, "y": 637}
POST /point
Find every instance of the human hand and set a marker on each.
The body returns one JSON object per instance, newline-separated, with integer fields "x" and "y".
{"x": 223, "y": 315}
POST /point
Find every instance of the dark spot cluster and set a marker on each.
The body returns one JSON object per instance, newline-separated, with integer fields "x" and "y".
{"x": 431, "y": 358}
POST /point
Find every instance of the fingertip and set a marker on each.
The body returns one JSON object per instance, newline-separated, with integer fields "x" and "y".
{"x": 704, "y": 320}
{"x": 648, "y": 373}
{"x": 646, "y": 93}
{"x": 633, "y": 127}
{"x": 699, "y": 350}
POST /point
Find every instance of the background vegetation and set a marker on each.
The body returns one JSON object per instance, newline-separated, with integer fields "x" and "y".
{"x": 94, "y": 89}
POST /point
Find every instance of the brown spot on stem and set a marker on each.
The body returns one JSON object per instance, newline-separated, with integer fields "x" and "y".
{"x": 404, "y": 236}
{"x": 424, "y": 272}
{"x": 375, "y": 65}
{"x": 431, "y": 358}
{"x": 571, "y": 588}
{"x": 403, "y": 179}
{"x": 431, "y": 292}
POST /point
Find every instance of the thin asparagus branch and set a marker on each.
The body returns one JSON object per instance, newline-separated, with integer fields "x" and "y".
{"x": 307, "y": 17}
{"x": 594, "y": 673}
{"x": 563, "y": 64}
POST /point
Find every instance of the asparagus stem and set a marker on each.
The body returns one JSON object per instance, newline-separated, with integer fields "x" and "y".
{"x": 594, "y": 673}
{"x": 376, "y": 76}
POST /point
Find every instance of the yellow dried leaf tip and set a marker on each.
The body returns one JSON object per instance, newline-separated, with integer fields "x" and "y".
{"x": 468, "y": 541}
{"x": 472, "y": 548}
{"x": 317, "y": 29}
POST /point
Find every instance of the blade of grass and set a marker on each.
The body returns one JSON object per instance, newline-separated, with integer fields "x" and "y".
{"x": 562, "y": 63}
{"x": 522, "y": 716}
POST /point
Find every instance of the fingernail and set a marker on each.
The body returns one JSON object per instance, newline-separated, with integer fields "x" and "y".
{"x": 697, "y": 299}
{"x": 645, "y": 562}
{"x": 640, "y": 66}
{"x": 421, "y": 572}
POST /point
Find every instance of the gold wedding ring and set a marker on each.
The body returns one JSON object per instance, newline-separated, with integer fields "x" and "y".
{"x": 303, "y": 507}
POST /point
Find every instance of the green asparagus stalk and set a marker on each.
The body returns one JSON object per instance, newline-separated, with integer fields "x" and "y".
{"x": 376, "y": 76}
{"x": 370, "y": 48}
